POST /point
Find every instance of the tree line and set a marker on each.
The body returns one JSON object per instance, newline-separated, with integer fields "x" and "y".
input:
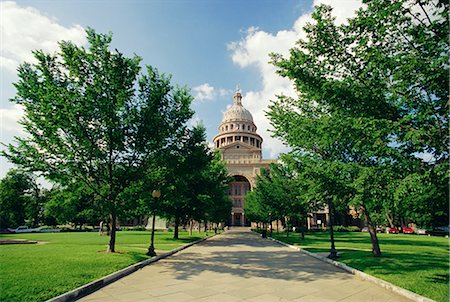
{"x": 107, "y": 134}
{"x": 369, "y": 126}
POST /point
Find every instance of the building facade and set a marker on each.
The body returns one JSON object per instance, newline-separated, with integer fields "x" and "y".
{"x": 241, "y": 149}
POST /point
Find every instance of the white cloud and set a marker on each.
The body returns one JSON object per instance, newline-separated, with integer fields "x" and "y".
{"x": 24, "y": 29}
{"x": 254, "y": 50}
{"x": 206, "y": 92}
{"x": 225, "y": 92}
{"x": 9, "y": 118}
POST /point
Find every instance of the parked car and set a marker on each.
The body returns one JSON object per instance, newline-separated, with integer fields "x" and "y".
{"x": 421, "y": 232}
{"x": 407, "y": 230}
{"x": 392, "y": 230}
{"x": 381, "y": 229}
{"x": 23, "y": 229}
{"x": 440, "y": 231}
{"x": 47, "y": 230}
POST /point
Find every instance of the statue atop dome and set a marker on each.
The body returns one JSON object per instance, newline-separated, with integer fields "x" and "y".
{"x": 237, "y": 96}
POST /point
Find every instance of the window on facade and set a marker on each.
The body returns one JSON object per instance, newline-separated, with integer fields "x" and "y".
{"x": 231, "y": 126}
{"x": 226, "y": 128}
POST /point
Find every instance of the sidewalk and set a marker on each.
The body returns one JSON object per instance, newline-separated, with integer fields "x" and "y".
{"x": 240, "y": 266}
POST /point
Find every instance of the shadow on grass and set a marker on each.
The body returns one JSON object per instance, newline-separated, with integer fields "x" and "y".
{"x": 441, "y": 278}
{"x": 137, "y": 256}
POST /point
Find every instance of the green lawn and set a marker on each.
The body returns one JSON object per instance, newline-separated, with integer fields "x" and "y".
{"x": 37, "y": 272}
{"x": 417, "y": 263}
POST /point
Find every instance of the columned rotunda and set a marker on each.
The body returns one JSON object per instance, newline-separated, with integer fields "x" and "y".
{"x": 241, "y": 148}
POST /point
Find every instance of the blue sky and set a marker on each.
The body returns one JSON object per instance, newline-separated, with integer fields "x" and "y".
{"x": 208, "y": 45}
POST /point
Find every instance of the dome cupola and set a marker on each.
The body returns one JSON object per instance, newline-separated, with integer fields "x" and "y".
{"x": 237, "y": 127}
{"x": 237, "y": 112}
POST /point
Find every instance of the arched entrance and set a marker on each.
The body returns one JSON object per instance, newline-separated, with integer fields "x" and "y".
{"x": 237, "y": 189}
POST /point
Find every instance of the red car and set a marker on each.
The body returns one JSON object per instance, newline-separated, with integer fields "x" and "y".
{"x": 392, "y": 230}
{"x": 407, "y": 230}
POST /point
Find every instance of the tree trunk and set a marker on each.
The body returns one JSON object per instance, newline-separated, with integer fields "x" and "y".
{"x": 191, "y": 224}
{"x": 175, "y": 232}
{"x": 373, "y": 233}
{"x": 277, "y": 227}
{"x": 112, "y": 238}
{"x": 390, "y": 219}
{"x": 206, "y": 226}
{"x": 302, "y": 230}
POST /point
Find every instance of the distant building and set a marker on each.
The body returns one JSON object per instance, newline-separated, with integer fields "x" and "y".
{"x": 241, "y": 147}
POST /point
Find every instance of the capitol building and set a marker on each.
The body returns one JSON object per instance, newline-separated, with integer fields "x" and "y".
{"x": 241, "y": 149}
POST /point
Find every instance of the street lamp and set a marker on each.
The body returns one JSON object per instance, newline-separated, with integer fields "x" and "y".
{"x": 333, "y": 252}
{"x": 151, "y": 249}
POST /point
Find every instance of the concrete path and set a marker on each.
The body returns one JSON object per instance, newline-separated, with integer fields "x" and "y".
{"x": 240, "y": 266}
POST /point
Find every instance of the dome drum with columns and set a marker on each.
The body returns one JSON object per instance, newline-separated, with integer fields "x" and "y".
{"x": 241, "y": 149}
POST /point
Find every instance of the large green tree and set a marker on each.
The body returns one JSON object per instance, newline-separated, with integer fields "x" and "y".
{"x": 196, "y": 185}
{"x": 19, "y": 194}
{"x": 279, "y": 194}
{"x": 372, "y": 97}
{"x": 91, "y": 118}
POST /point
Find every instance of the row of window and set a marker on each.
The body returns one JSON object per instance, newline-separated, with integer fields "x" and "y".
{"x": 238, "y": 189}
{"x": 230, "y": 139}
{"x": 238, "y": 127}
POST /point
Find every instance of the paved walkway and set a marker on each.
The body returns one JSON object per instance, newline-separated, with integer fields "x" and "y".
{"x": 240, "y": 266}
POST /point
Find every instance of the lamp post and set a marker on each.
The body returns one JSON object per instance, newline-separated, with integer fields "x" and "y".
{"x": 333, "y": 252}
{"x": 151, "y": 249}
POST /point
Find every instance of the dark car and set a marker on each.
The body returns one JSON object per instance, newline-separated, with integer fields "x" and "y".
{"x": 392, "y": 230}
{"x": 439, "y": 231}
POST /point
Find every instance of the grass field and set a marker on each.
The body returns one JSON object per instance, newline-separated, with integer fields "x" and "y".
{"x": 417, "y": 263}
{"x": 65, "y": 261}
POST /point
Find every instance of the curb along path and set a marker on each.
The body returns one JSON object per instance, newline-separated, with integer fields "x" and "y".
{"x": 240, "y": 266}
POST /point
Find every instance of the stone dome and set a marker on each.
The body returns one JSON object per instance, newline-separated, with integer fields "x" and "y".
{"x": 237, "y": 112}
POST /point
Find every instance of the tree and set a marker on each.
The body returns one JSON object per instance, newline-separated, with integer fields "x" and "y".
{"x": 74, "y": 203}
{"x": 91, "y": 118}
{"x": 279, "y": 195}
{"x": 195, "y": 186}
{"x": 372, "y": 94}
{"x": 17, "y": 191}
{"x": 215, "y": 181}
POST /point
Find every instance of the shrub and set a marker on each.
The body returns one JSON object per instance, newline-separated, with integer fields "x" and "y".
{"x": 341, "y": 228}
